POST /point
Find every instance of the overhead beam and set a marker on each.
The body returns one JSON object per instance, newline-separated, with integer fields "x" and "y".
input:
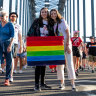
{"x": 92, "y": 17}
{"x": 32, "y": 9}
{"x": 1, "y": 4}
{"x": 61, "y": 7}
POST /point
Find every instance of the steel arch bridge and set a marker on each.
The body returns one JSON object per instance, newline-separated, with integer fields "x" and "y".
{"x": 75, "y": 13}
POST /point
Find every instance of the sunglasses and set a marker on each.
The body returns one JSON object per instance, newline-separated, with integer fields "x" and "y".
{"x": 76, "y": 33}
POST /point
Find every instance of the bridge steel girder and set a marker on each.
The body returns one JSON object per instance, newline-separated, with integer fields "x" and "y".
{"x": 10, "y": 6}
{"x": 32, "y": 9}
{"x": 61, "y": 7}
{"x": 1, "y": 4}
{"x": 92, "y": 18}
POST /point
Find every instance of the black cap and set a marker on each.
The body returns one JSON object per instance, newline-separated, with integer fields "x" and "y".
{"x": 91, "y": 37}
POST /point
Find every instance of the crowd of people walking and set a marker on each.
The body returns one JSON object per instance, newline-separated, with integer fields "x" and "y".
{"x": 11, "y": 45}
{"x": 78, "y": 54}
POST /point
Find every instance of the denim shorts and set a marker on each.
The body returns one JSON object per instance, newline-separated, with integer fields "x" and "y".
{"x": 15, "y": 47}
{"x": 22, "y": 55}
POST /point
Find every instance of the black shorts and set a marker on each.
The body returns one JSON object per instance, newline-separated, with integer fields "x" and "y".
{"x": 75, "y": 51}
{"x": 84, "y": 55}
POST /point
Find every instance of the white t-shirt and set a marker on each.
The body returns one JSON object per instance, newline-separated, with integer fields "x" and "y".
{"x": 18, "y": 30}
{"x": 61, "y": 28}
{"x": 44, "y": 30}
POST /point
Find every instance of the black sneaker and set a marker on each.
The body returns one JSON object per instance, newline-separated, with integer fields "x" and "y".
{"x": 77, "y": 70}
{"x": 82, "y": 69}
{"x": 74, "y": 89}
{"x": 44, "y": 86}
{"x": 37, "y": 88}
{"x": 2, "y": 72}
{"x": 76, "y": 73}
{"x": 92, "y": 71}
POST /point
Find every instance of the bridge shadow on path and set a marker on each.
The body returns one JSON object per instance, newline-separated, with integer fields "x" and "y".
{"x": 24, "y": 83}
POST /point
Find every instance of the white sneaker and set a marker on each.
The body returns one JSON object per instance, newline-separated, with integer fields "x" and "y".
{"x": 62, "y": 87}
{"x": 11, "y": 79}
{"x": 15, "y": 71}
{"x": 20, "y": 71}
{"x": 0, "y": 69}
{"x": 25, "y": 66}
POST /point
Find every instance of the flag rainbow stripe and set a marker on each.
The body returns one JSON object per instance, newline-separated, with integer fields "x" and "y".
{"x": 93, "y": 45}
{"x": 45, "y": 50}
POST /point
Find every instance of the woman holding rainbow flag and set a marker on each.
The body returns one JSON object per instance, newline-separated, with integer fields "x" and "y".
{"x": 61, "y": 29}
{"x": 41, "y": 27}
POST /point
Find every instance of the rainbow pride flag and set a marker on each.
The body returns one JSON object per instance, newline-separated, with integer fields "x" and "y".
{"x": 45, "y": 50}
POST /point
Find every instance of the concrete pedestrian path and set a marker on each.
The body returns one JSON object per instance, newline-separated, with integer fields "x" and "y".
{"x": 24, "y": 83}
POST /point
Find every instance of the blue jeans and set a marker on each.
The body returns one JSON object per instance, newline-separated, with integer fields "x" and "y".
{"x": 8, "y": 57}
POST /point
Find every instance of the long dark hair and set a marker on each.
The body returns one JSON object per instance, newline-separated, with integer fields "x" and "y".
{"x": 59, "y": 17}
{"x": 50, "y": 21}
{"x": 40, "y": 17}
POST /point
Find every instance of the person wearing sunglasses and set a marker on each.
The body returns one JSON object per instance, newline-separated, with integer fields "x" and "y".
{"x": 17, "y": 39}
{"x": 76, "y": 48}
{"x": 6, "y": 42}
